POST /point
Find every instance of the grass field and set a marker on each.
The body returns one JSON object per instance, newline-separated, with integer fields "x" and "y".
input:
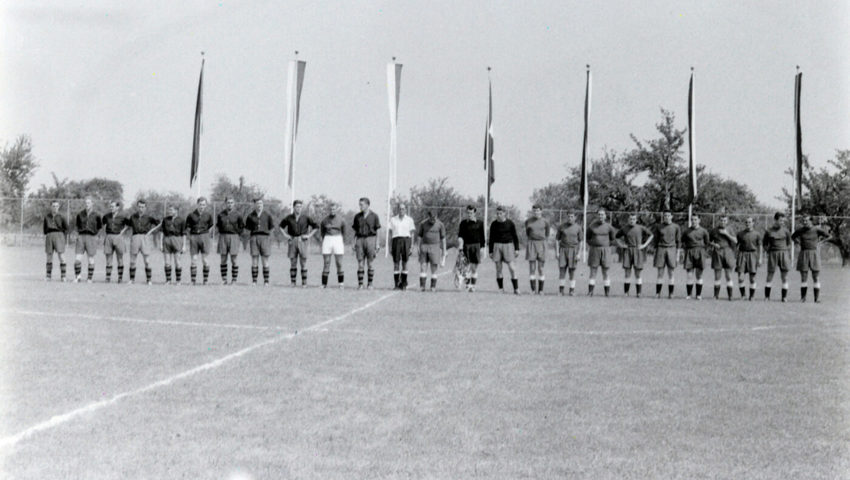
{"x": 136, "y": 381}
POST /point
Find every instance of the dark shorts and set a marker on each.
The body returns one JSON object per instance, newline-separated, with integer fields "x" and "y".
{"x": 54, "y": 242}
{"x": 114, "y": 243}
{"x": 780, "y": 259}
{"x": 261, "y": 245}
{"x": 365, "y": 248}
{"x": 808, "y": 260}
{"x": 747, "y": 262}
{"x": 633, "y": 257}
{"x": 503, "y": 252}
{"x": 141, "y": 243}
{"x": 723, "y": 259}
{"x": 472, "y": 252}
{"x": 199, "y": 243}
{"x": 430, "y": 253}
{"x": 297, "y": 248}
{"x": 401, "y": 249}
{"x": 86, "y": 244}
{"x": 598, "y": 257}
{"x": 695, "y": 258}
{"x": 666, "y": 257}
{"x": 568, "y": 257}
{"x": 229, "y": 244}
{"x": 535, "y": 251}
{"x": 172, "y": 244}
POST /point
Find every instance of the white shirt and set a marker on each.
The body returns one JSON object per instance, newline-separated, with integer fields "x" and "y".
{"x": 402, "y": 227}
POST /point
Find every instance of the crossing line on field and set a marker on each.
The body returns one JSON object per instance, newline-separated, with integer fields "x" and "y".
{"x": 110, "y": 318}
{"x": 56, "y": 420}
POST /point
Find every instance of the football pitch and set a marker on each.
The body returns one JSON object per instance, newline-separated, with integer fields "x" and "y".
{"x": 136, "y": 381}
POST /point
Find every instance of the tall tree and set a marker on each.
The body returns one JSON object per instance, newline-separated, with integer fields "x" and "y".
{"x": 17, "y": 166}
{"x": 661, "y": 160}
{"x": 826, "y": 191}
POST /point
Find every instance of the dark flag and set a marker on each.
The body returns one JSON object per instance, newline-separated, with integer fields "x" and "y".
{"x": 583, "y": 186}
{"x": 798, "y": 170}
{"x": 692, "y": 166}
{"x": 488, "y": 142}
{"x": 196, "y": 140}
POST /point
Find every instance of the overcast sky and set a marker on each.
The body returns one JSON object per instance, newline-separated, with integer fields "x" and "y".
{"x": 108, "y": 88}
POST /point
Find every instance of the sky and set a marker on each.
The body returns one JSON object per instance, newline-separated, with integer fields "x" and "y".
{"x": 108, "y": 88}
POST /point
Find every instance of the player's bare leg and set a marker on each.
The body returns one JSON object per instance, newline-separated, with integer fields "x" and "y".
{"x": 423, "y": 276}
{"x": 500, "y": 281}
{"x": 78, "y": 267}
{"x": 340, "y": 275}
{"x": 326, "y": 270}
{"x": 804, "y": 285}
{"x": 816, "y": 286}
{"x": 434, "y": 267}
{"x": 540, "y": 276}
{"x": 627, "y": 280}
{"x": 514, "y": 280}
{"x": 532, "y": 275}
{"x": 591, "y": 282}
{"x": 360, "y": 272}
{"x": 222, "y": 268}
{"x": 166, "y": 259}
{"x": 264, "y": 259}
{"x": 768, "y": 284}
{"x": 178, "y": 267}
{"x": 783, "y": 275}
{"x": 606, "y": 282}
{"x": 638, "y": 282}
{"x": 148, "y": 272}
{"x": 698, "y": 287}
{"x": 303, "y": 261}
{"x": 370, "y": 273}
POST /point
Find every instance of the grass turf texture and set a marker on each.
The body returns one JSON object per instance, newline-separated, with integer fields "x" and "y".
{"x": 418, "y": 385}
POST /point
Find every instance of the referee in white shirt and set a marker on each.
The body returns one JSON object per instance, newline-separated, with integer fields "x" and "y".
{"x": 402, "y": 229}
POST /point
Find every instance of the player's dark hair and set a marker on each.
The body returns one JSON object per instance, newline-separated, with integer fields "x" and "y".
{"x": 806, "y": 215}
{"x": 365, "y": 199}
{"x": 665, "y": 212}
{"x": 471, "y": 208}
{"x": 778, "y": 215}
{"x": 55, "y": 201}
{"x": 227, "y": 199}
{"x": 500, "y": 208}
{"x": 116, "y": 203}
{"x": 536, "y": 206}
{"x": 724, "y": 216}
{"x": 258, "y": 199}
{"x": 201, "y": 199}
{"x": 141, "y": 201}
{"x": 601, "y": 210}
{"x": 297, "y": 202}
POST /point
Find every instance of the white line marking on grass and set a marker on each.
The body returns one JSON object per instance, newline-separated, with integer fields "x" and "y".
{"x": 57, "y": 420}
{"x": 593, "y": 333}
{"x": 143, "y": 320}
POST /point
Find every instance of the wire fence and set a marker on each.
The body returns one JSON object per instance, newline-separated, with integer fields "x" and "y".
{"x": 21, "y": 219}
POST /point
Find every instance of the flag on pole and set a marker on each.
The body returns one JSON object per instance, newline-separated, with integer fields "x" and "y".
{"x": 798, "y": 169}
{"x": 393, "y": 91}
{"x": 196, "y": 140}
{"x": 488, "y": 141}
{"x": 692, "y": 166}
{"x": 583, "y": 185}
{"x": 294, "y": 82}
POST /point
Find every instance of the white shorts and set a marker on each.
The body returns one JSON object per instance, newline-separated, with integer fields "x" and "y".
{"x": 333, "y": 245}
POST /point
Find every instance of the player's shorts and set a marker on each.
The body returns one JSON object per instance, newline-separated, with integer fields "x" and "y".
{"x": 568, "y": 257}
{"x": 114, "y": 243}
{"x": 297, "y": 248}
{"x": 141, "y": 243}
{"x": 780, "y": 259}
{"x": 747, "y": 262}
{"x": 472, "y": 252}
{"x": 228, "y": 244}
{"x": 401, "y": 249}
{"x": 333, "y": 245}
{"x": 199, "y": 243}
{"x": 535, "y": 251}
{"x": 261, "y": 245}
{"x": 808, "y": 260}
{"x": 723, "y": 258}
{"x": 172, "y": 244}
{"x": 695, "y": 258}
{"x": 87, "y": 244}
{"x": 666, "y": 257}
{"x": 365, "y": 248}
{"x": 633, "y": 257}
{"x": 430, "y": 253}
{"x": 503, "y": 252}
{"x": 54, "y": 242}
{"x": 598, "y": 257}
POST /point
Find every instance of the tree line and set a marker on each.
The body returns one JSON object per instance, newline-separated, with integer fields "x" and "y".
{"x": 650, "y": 176}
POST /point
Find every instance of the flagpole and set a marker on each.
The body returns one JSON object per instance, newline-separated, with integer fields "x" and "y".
{"x": 196, "y": 147}
{"x": 391, "y": 170}
{"x": 585, "y": 193}
{"x": 292, "y": 156}
{"x": 691, "y": 166}
{"x": 796, "y": 140}
{"x": 487, "y": 162}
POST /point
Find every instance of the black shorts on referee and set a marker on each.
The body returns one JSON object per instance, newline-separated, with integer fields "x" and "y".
{"x": 401, "y": 249}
